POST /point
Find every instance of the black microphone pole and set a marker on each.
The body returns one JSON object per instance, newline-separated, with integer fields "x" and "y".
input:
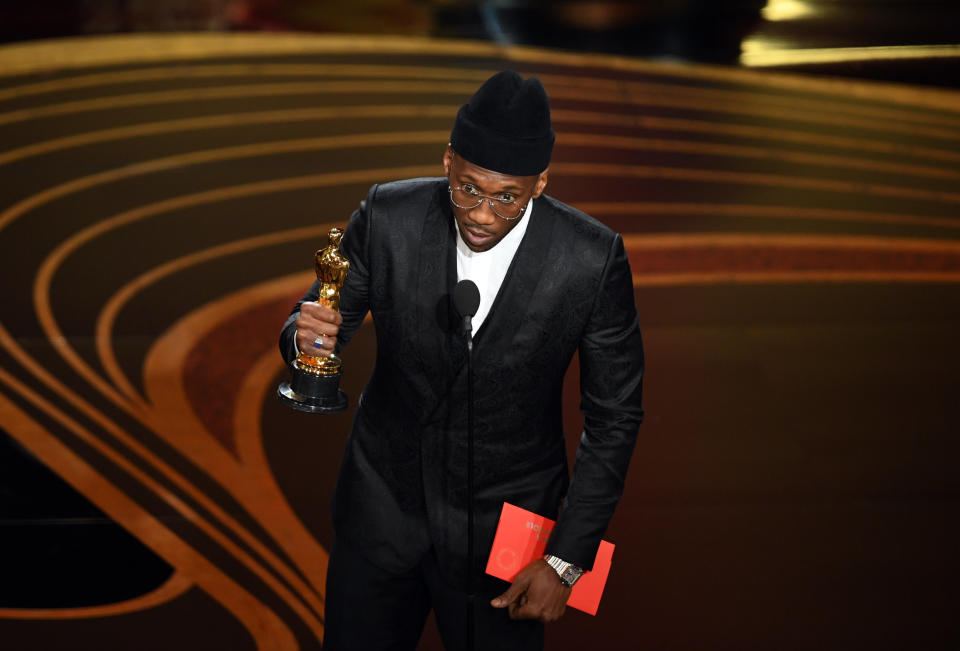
{"x": 470, "y": 551}
{"x": 466, "y": 300}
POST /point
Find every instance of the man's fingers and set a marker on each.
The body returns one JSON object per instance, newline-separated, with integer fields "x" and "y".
{"x": 511, "y": 597}
{"x": 526, "y": 609}
{"x": 311, "y": 343}
{"x": 317, "y": 329}
{"x": 544, "y": 597}
{"x": 321, "y": 313}
{"x": 323, "y": 343}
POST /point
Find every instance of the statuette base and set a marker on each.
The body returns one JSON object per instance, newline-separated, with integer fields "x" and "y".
{"x": 312, "y": 393}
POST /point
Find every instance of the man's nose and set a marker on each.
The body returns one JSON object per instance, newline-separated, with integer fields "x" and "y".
{"x": 483, "y": 214}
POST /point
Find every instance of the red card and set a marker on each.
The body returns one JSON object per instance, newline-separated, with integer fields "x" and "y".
{"x": 522, "y": 536}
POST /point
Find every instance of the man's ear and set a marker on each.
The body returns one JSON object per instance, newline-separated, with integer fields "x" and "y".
{"x": 447, "y": 161}
{"x": 541, "y": 183}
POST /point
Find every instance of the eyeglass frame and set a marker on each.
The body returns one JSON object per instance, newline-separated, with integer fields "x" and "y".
{"x": 490, "y": 200}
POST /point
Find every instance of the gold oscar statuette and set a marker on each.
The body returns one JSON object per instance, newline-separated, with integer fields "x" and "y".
{"x": 314, "y": 384}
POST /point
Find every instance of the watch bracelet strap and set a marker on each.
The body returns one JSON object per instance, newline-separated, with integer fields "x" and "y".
{"x": 561, "y": 566}
{"x": 558, "y": 564}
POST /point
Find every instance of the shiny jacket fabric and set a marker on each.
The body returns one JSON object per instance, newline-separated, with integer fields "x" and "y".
{"x": 402, "y": 483}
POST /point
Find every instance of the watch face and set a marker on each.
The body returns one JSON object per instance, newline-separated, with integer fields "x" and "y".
{"x": 570, "y": 576}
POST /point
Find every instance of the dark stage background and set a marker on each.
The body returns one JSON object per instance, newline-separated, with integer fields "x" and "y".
{"x": 785, "y": 175}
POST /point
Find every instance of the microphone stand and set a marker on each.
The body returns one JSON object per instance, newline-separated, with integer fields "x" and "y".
{"x": 468, "y": 327}
{"x": 466, "y": 301}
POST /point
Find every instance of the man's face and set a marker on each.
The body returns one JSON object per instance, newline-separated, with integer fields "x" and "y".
{"x": 480, "y": 227}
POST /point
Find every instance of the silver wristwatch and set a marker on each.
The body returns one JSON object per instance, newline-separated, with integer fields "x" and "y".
{"x": 568, "y": 573}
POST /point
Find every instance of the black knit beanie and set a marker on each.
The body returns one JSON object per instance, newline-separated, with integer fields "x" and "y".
{"x": 505, "y": 127}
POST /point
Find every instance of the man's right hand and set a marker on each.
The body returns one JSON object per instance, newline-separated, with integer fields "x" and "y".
{"x": 316, "y": 320}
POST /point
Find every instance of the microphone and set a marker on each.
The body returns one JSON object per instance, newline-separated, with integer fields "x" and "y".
{"x": 466, "y": 301}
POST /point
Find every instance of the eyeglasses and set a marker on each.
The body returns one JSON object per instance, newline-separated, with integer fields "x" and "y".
{"x": 468, "y": 197}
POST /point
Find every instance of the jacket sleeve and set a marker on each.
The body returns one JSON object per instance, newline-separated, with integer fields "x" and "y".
{"x": 354, "y": 295}
{"x": 611, "y": 374}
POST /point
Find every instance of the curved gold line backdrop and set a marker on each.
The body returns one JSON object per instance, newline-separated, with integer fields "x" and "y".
{"x": 165, "y": 194}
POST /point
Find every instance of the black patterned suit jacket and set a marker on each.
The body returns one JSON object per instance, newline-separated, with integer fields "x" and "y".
{"x": 402, "y": 482}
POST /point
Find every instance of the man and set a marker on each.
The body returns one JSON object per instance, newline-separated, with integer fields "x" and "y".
{"x": 553, "y": 281}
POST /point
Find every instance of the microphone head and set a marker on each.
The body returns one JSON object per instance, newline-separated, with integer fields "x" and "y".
{"x": 466, "y": 298}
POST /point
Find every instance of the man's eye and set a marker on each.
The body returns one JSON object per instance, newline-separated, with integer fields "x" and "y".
{"x": 506, "y": 197}
{"x": 469, "y": 189}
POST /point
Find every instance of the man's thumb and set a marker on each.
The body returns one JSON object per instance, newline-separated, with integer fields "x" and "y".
{"x": 508, "y": 597}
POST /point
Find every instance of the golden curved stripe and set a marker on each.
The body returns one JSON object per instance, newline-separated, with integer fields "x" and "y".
{"x": 116, "y": 303}
{"x": 634, "y": 94}
{"x": 442, "y": 72}
{"x": 803, "y": 241}
{"x": 582, "y": 117}
{"x": 903, "y": 94}
{"x": 223, "y": 121}
{"x": 641, "y": 96}
{"x": 52, "y": 262}
{"x": 188, "y": 513}
{"x": 410, "y": 111}
{"x": 587, "y": 169}
{"x": 224, "y": 70}
{"x": 751, "y": 151}
{"x": 189, "y": 95}
{"x": 181, "y": 428}
{"x": 751, "y": 131}
{"x": 795, "y": 104}
{"x": 750, "y": 178}
{"x": 176, "y": 585}
{"x": 758, "y": 210}
{"x": 138, "y": 408}
{"x": 73, "y": 53}
{"x": 256, "y": 383}
{"x": 634, "y": 242}
{"x": 254, "y": 386}
{"x": 149, "y": 417}
{"x": 251, "y": 484}
{"x": 758, "y": 52}
{"x": 574, "y": 139}
{"x": 217, "y": 155}
{"x": 246, "y": 419}
{"x": 921, "y": 97}
{"x": 68, "y": 54}
{"x": 709, "y": 96}
{"x": 787, "y": 277}
{"x": 268, "y": 631}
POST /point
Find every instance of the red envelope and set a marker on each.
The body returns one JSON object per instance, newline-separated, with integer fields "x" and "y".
{"x": 522, "y": 536}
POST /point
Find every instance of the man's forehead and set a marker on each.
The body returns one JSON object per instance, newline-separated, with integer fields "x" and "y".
{"x": 464, "y": 168}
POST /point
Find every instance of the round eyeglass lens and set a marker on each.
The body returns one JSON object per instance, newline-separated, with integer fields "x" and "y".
{"x": 468, "y": 200}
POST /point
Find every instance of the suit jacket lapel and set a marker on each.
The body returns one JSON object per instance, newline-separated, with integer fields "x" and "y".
{"x": 510, "y": 307}
{"x": 436, "y": 277}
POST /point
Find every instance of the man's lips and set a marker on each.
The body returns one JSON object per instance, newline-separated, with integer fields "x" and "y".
{"x": 476, "y": 236}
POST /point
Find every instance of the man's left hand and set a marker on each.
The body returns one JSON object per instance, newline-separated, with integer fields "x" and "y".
{"x": 536, "y": 593}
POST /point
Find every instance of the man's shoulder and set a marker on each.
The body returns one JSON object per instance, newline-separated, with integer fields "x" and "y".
{"x": 395, "y": 208}
{"x": 408, "y": 189}
{"x": 573, "y": 223}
